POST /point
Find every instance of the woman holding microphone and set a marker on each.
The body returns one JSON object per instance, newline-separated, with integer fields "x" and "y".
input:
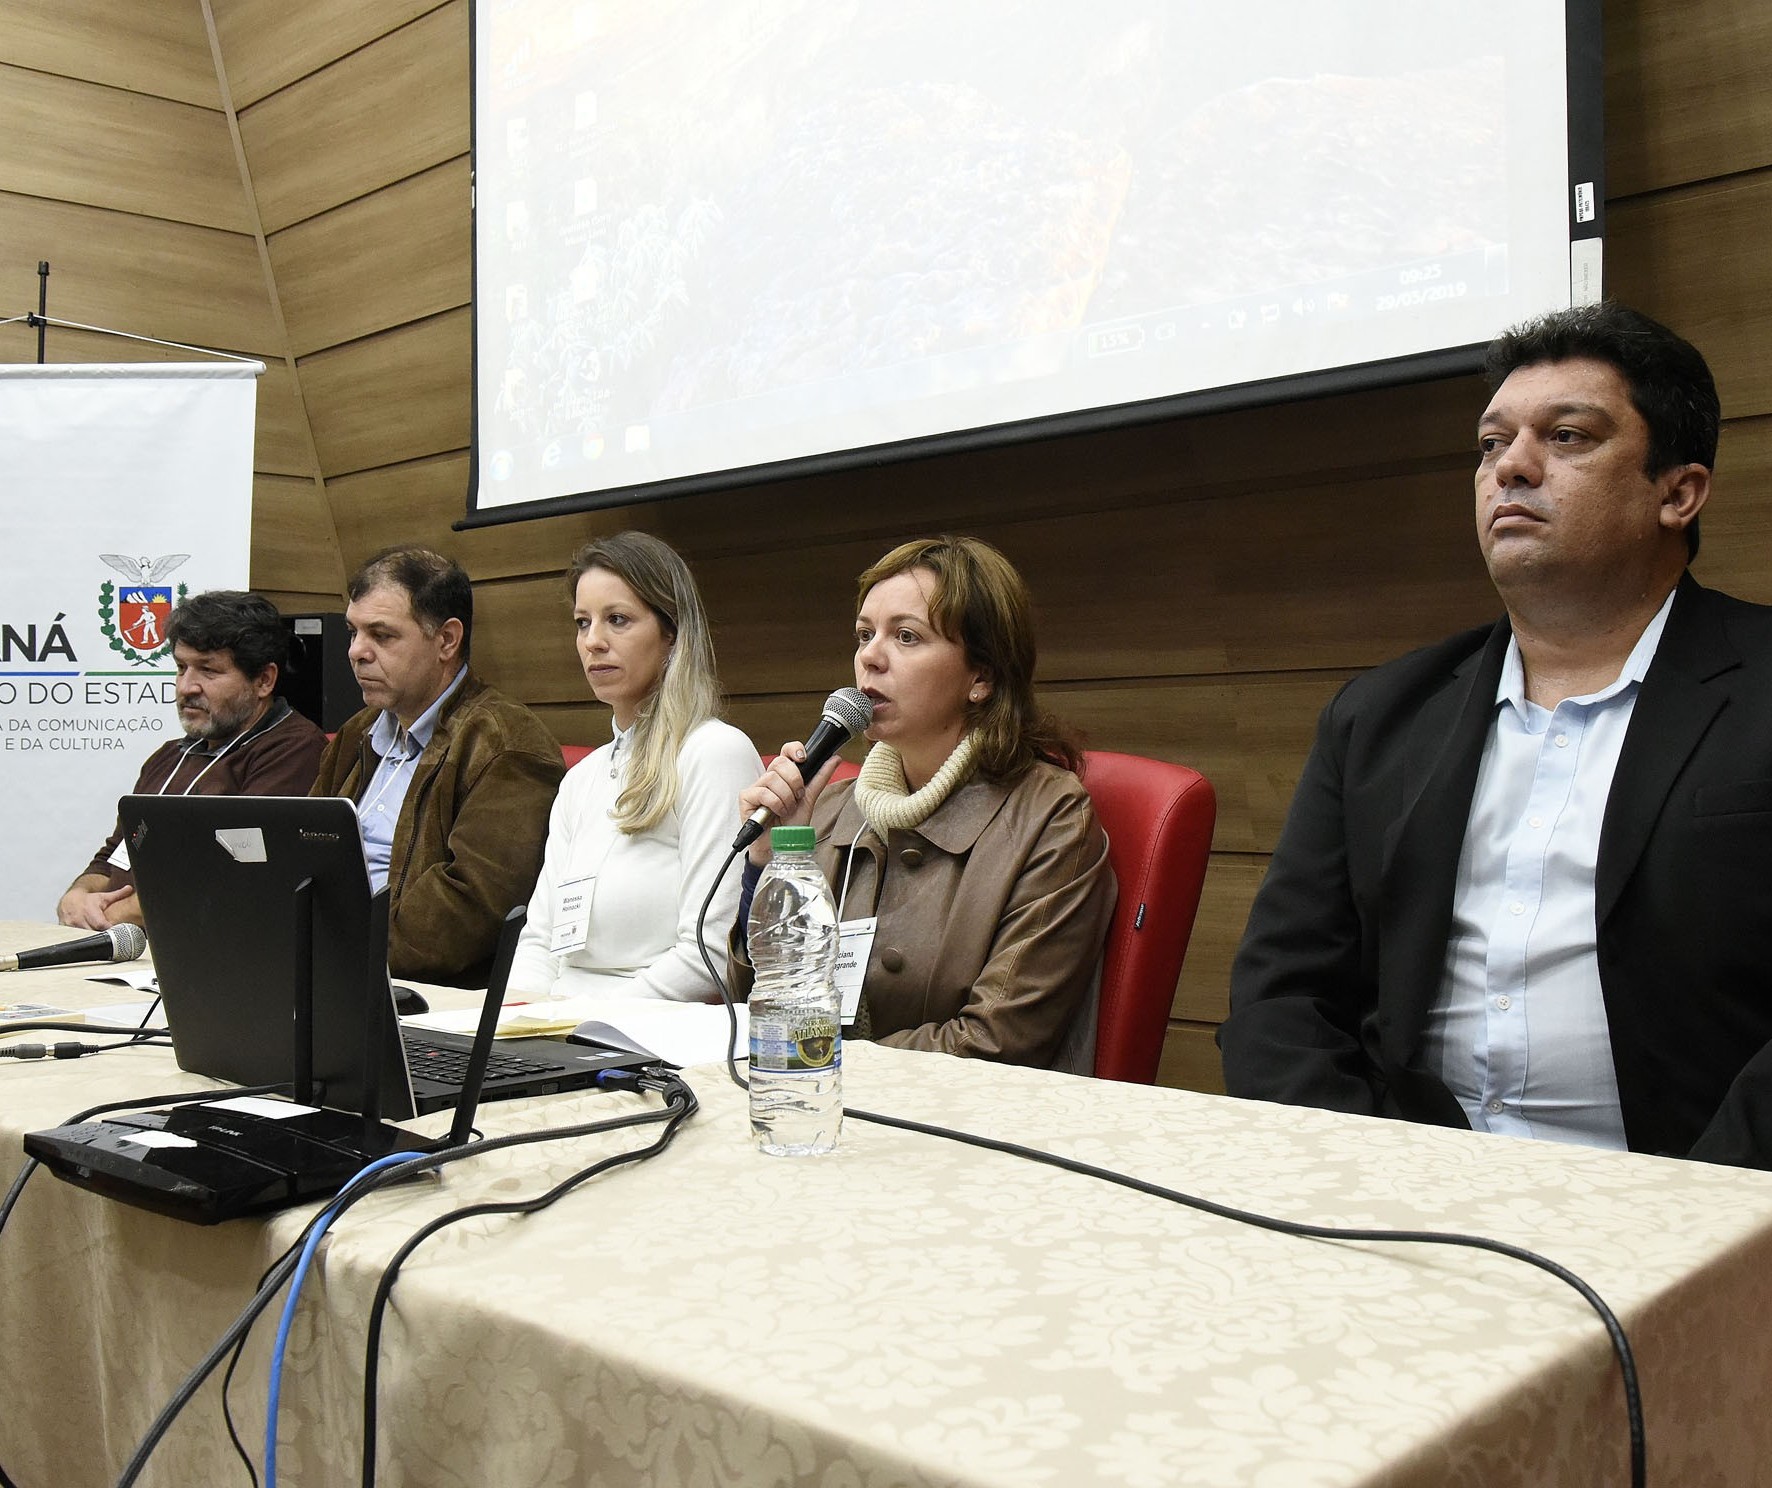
{"x": 968, "y": 837}
{"x": 642, "y": 825}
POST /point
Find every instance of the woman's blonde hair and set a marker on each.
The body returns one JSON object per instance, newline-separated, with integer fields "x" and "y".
{"x": 981, "y": 601}
{"x": 688, "y": 693}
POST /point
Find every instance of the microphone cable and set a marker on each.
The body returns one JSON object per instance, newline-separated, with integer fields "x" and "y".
{"x": 721, "y": 982}
{"x": 281, "y": 1270}
{"x": 1621, "y": 1348}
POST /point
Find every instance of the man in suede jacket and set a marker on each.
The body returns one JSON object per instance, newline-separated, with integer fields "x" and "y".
{"x": 453, "y": 781}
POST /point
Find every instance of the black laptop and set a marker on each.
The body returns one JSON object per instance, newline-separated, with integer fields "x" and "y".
{"x": 221, "y": 880}
{"x": 252, "y": 900}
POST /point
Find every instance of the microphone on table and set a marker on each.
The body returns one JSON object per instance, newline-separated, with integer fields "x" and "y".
{"x": 847, "y": 712}
{"x": 119, "y": 943}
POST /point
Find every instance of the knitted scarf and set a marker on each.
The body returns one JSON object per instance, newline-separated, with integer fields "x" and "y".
{"x": 885, "y": 797}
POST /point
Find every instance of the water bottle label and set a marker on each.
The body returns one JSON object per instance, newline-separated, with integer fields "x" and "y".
{"x": 805, "y": 1050}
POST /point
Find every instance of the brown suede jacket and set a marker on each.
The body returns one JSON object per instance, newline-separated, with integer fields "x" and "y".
{"x": 468, "y": 844}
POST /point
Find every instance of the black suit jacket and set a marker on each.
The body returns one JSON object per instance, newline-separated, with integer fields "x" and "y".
{"x": 1346, "y": 942}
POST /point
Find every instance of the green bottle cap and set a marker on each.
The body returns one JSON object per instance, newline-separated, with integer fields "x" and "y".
{"x": 792, "y": 839}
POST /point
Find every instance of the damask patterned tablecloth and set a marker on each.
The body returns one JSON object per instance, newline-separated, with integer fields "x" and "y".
{"x": 911, "y": 1311}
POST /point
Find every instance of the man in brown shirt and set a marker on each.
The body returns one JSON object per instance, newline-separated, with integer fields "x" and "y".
{"x": 239, "y": 739}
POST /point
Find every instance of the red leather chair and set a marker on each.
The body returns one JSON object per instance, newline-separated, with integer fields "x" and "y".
{"x": 573, "y": 753}
{"x": 1159, "y": 820}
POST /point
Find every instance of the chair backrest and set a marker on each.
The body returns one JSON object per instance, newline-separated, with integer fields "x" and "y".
{"x": 1159, "y": 820}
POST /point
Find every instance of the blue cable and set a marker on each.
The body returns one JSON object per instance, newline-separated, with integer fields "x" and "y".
{"x": 321, "y": 1225}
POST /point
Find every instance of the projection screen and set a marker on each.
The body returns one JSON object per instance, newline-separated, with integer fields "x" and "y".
{"x": 718, "y": 241}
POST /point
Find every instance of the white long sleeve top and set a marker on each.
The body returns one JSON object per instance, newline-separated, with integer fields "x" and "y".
{"x": 648, "y": 888}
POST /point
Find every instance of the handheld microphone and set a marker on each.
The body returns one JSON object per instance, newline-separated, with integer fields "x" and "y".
{"x": 119, "y": 943}
{"x": 847, "y": 712}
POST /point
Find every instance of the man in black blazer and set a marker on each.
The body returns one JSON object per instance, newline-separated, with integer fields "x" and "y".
{"x": 1526, "y": 881}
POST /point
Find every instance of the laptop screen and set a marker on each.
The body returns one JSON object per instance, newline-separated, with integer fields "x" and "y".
{"x": 221, "y": 879}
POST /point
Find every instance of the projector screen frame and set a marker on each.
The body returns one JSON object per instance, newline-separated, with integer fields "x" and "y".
{"x": 1585, "y": 142}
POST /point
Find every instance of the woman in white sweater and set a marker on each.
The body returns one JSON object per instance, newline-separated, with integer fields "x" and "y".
{"x": 642, "y": 825}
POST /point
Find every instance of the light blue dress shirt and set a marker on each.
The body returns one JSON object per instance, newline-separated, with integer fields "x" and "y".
{"x": 378, "y": 810}
{"x": 1518, "y": 1031}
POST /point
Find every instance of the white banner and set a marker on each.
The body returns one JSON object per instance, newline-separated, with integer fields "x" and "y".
{"x": 124, "y": 489}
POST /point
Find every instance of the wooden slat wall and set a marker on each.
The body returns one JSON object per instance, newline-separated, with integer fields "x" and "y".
{"x": 1203, "y": 586}
{"x": 120, "y": 170}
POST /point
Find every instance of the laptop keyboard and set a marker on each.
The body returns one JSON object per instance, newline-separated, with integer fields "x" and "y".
{"x": 450, "y": 1065}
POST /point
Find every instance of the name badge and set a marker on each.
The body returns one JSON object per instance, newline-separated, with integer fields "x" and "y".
{"x": 119, "y": 858}
{"x": 572, "y": 915}
{"x": 855, "y": 943}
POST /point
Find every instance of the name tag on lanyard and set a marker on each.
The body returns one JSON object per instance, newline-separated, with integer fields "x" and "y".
{"x": 855, "y": 943}
{"x": 572, "y": 915}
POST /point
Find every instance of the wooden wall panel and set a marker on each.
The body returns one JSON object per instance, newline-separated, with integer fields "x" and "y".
{"x": 1736, "y": 551}
{"x": 1697, "y": 258}
{"x": 407, "y": 244}
{"x": 392, "y": 503}
{"x": 281, "y": 446}
{"x": 1204, "y": 992}
{"x": 159, "y": 49}
{"x": 1430, "y": 427}
{"x": 75, "y": 141}
{"x": 300, "y": 602}
{"x": 140, "y": 274}
{"x": 120, "y": 170}
{"x": 391, "y": 397}
{"x": 1190, "y": 1059}
{"x": 268, "y": 44}
{"x": 293, "y": 546}
{"x": 1685, "y": 92}
{"x": 396, "y": 107}
{"x": 1247, "y": 734}
{"x": 388, "y": 504}
{"x": 1195, "y": 587}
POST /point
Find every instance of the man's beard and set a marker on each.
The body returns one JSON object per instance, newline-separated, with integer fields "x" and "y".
{"x": 221, "y": 724}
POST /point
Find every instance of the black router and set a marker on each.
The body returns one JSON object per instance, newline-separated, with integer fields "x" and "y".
{"x": 272, "y": 957}
{"x": 237, "y": 1155}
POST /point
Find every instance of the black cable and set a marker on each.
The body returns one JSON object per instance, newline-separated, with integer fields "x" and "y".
{"x": 1627, "y": 1366}
{"x": 239, "y": 1352}
{"x": 73, "y": 1049}
{"x": 126, "y": 1038}
{"x": 30, "y": 1165}
{"x": 228, "y": 1415}
{"x": 680, "y": 1105}
{"x": 720, "y": 981}
{"x": 281, "y": 1271}
{"x": 121, "y": 1030}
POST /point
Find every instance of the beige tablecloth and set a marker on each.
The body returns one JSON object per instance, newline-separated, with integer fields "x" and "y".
{"x": 912, "y": 1311}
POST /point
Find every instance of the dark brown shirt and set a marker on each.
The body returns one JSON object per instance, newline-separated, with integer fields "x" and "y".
{"x": 278, "y": 757}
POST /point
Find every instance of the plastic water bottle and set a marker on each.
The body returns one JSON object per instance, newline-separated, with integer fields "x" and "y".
{"x": 796, "y": 1069}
